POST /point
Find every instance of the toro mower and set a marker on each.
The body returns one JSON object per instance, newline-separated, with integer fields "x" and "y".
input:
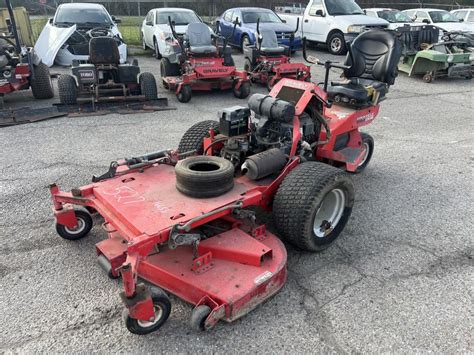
{"x": 201, "y": 61}
{"x": 267, "y": 62}
{"x": 180, "y": 220}
{"x": 104, "y": 79}
{"x": 20, "y": 68}
{"x": 425, "y": 55}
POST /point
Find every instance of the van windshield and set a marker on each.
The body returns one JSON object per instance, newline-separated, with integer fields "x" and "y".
{"x": 343, "y": 7}
{"x": 68, "y": 16}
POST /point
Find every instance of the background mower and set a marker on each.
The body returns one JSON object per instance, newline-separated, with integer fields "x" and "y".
{"x": 267, "y": 62}
{"x": 105, "y": 79}
{"x": 20, "y": 68}
{"x": 198, "y": 62}
{"x": 424, "y": 54}
{"x": 179, "y": 220}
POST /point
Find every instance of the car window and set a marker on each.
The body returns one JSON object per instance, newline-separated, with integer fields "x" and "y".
{"x": 264, "y": 16}
{"x": 317, "y": 5}
{"x": 370, "y": 13}
{"x": 343, "y": 7}
{"x": 149, "y": 17}
{"x": 460, "y": 14}
{"x": 443, "y": 16}
{"x": 421, "y": 15}
{"x": 180, "y": 18}
{"x": 95, "y": 16}
{"x": 410, "y": 13}
{"x": 235, "y": 14}
{"x": 228, "y": 16}
{"x": 470, "y": 18}
{"x": 394, "y": 16}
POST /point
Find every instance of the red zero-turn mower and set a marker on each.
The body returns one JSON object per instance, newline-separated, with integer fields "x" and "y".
{"x": 20, "y": 68}
{"x": 268, "y": 63}
{"x": 179, "y": 220}
{"x": 197, "y": 62}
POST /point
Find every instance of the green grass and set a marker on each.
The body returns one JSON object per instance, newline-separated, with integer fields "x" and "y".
{"x": 129, "y": 27}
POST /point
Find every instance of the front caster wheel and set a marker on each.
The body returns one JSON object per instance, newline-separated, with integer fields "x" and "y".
{"x": 84, "y": 225}
{"x": 368, "y": 146}
{"x": 198, "y": 317}
{"x": 185, "y": 94}
{"x": 243, "y": 91}
{"x": 428, "y": 78}
{"x": 162, "y": 307}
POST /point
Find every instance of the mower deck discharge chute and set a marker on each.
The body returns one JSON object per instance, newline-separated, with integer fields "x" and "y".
{"x": 180, "y": 219}
{"x": 106, "y": 81}
{"x": 200, "y": 61}
{"x": 267, "y": 62}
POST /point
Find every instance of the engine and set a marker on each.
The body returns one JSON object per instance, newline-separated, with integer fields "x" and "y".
{"x": 258, "y": 139}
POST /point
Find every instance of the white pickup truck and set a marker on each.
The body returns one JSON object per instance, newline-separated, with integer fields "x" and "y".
{"x": 333, "y": 22}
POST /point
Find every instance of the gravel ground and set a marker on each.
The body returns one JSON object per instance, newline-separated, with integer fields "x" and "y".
{"x": 398, "y": 280}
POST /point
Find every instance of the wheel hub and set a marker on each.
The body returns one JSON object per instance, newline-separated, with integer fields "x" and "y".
{"x": 336, "y": 44}
{"x": 158, "y": 314}
{"x": 366, "y": 154}
{"x": 78, "y": 229}
{"x": 329, "y": 213}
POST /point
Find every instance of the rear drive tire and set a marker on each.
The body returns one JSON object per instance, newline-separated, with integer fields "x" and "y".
{"x": 336, "y": 44}
{"x": 368, "y": 144}
{"x": 312, "y": 205}
{"x": 168, "y": 69}
{"x": 204, "y": 176}
{"x": 148, "y": 86}
{"x": 193, "y": 138}
{"x": 185, "y": 94}
{"x": 41, "y": 86}
{"x": 67, "y": 89}
{"x": 243, "y": 91}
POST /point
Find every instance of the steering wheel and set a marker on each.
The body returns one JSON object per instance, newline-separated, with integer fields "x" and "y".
{"x": 100, "y": 32}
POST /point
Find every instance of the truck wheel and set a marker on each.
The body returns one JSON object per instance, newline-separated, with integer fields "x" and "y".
{"x": 168, "y": 69}
{"x": 185, "y": 94}
{"x": 368, "y": 144}
{"x": 148, "y": 86}
{"x": 162, "y": 307}
{"x": 192, "y": 140}
{"x": 156, "y": 49}
{"x": 84, "y": 225}
{"x": 336, "y": 44}
{"x": 243, "y": 91}
{"x": 204, "y": 176}
{"x": 41, "y": 86}
{"x": 198, "y": 317}
{"x": 67, "y": 89}
{"x": 312, "y": 205}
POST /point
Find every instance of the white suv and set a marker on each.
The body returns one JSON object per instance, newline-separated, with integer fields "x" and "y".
{"x": 467, "y": 15}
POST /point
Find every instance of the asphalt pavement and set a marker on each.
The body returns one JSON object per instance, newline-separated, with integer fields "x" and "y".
{"x": 399, "y": 279}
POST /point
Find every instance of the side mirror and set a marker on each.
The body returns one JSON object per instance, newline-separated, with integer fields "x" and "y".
{"x": 365, "y": 11}
{"x": 50, "y": 20}
{"x": 116, "y": 19}
{"x": 426, "y": 21}
{"x": 284, "y": 21}
{"x": 461, "y": 20}
{"x": 320, "y": 13}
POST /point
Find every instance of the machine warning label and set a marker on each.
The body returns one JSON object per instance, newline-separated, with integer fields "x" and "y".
{"x": 260, "y": 279}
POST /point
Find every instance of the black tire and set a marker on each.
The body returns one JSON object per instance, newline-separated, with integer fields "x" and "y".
{"x": 41, "y": 86}
{"x": 243, "y": 91}
{"x": 148, "y": 86}
{"x": 185, "y": 94}
{"x": 204, "y": 176}
{"x": 336, "y": 44}
{"x": 162, "y": 305}
{"x": 299, "y": 200}
{"x": 84, "y": 226}
{"x": 368, "y": 143}
{"x": 198, "y": 317}
{"x": 193, "y": 138}
{"x": 428, "y": 78}
{"x": 245, "y": 39}
{"x": 156, "y": 50}
{"x": 168, "y": 69}
{"x": 67, "y": 89}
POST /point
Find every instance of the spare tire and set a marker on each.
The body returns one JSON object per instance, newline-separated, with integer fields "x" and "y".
{"x": 204, "y": 176}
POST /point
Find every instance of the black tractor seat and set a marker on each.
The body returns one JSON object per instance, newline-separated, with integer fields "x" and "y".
{"x": 372, "y": 62}
{"x": 199, "y": 39}
{"x": 269, "y": 43}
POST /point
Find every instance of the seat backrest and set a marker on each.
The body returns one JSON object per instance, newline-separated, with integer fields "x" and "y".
{"x": 199, "y": 35}
{"x": 104, "y": 50}
{"x": 374, "y": 55}
{"x": 269, "y": 39}
{"x": 412, "y": 37}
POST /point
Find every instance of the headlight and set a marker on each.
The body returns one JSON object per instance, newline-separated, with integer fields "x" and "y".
{"x": 355, "y": 29}
{"x": 450, "y": 58}
{"x": 165, "y": 35}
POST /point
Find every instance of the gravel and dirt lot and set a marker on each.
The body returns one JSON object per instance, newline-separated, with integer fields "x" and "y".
{"x": 400, "y": 278}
